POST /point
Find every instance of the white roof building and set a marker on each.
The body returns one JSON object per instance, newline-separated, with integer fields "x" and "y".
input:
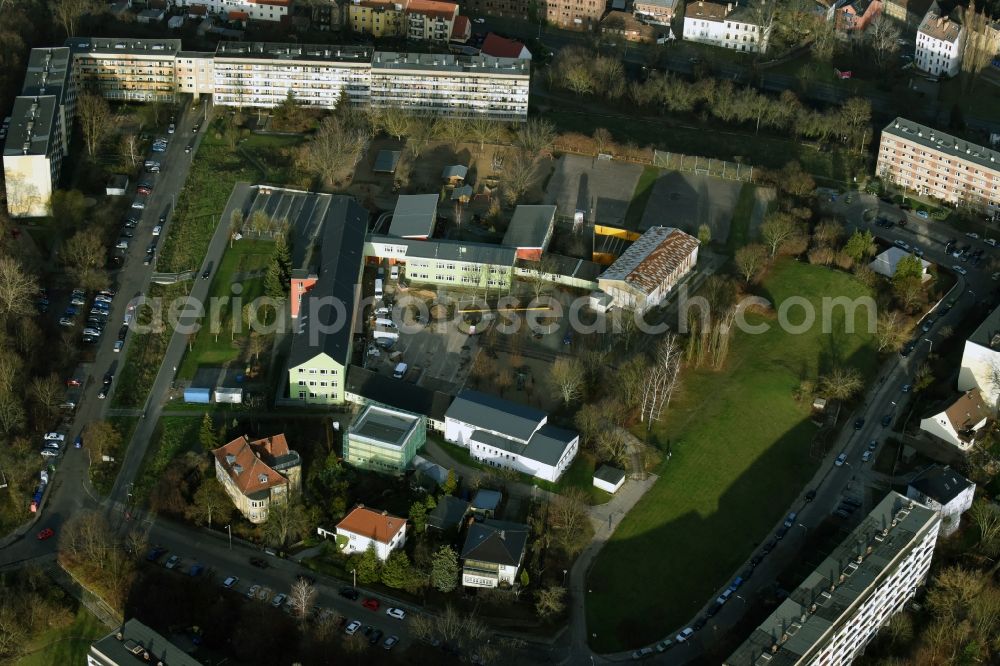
{"x": 886, "y": 263}
{"x": 959, "y": 423}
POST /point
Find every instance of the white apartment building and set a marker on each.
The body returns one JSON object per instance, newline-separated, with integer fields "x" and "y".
{"x": 363, "y": 528}
{"x": 839, "y": 608}
{"x": 935, "y": 164}
{"x": 981, "y": 360}
{"x": 37, "y": 138}
{"x": 946, "y": 491}
{"x": 126, "y": 70}
{"x": 959, "y": 423}
{"x": 256, "y": 10}
{"x": 433, "y": 84}
{"x": 939, "y": 45}
{"x": 262, "y": 74}
{"x": 729, "y": 25}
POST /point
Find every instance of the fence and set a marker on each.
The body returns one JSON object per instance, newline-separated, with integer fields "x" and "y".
{"x": 172, "y": 278}
{"x": 704, "y": 166}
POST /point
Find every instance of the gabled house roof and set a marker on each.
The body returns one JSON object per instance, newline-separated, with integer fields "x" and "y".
{"x": 940, "y": 28}
{"x": 455, "y": 171}
{"x": 250, "y": 464}
{"x": 968, "y": 411}
{"x": 414, "y": 216}
{"x": 489, "y": 412}
{"x": 449, "y": 512}
{"x": 323, "y": 328}
{"x": 501, "y": 47}
{"x": 886, "y": 262}
{"x": 530, "y": 226}
{"x": 496, "y": 542}
{"x": 652, "y": 258}
{"x": 378, "y": 526}
{"x": 940, "y": 483}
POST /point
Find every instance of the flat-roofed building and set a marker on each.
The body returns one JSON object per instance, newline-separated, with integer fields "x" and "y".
{"x": 530, "y": 231}
{"x": 37, "y": 137}
{"x": 126, "y": 69}
{"x": 447, "y": 262}
{"x": 647, "y": 272}
{"x": 135, "y": 643}
{"x": 263, "y": 73}
{"x": 660, "y": 12}
{"x": 414, "y": 216}
{"x": 839, "y": 608}
{"x": 383, "y": 439}
{"x": 458, "y": 86}
{"x": 936, "y": 164}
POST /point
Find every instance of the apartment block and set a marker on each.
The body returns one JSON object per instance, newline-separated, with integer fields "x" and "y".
{"x": 37, "y": 139}
{"x": 195, "y": 73}
{"x": 126, "y": 70}
{"x": 660, "y": 12}
{"x": 419, "y": 20}
{"x": 574, "y": 14}
{"x": 254, "y": 10}
{"x": 939, "y": 165}
{"x": 433, "y": 84}
{"x": 939, "y": 45}
{"x": 839, "y": 608}
{"x": 262, "y": 74}
{"x": 730, "y": 25}
{"x": 135, "y": 643}
{"x": 445, "y": 262}
{"x": 524, "y": 10}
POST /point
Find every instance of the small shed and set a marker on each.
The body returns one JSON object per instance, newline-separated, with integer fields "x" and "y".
{"x": 462, "y": 194}
{"x": 386, "y": 161}
{"x": 233, "y": 396}
{"x": 175, "y": 22}
{"x": 609, "y": 479}
{"x": 485, "y": 502}
{"x": 117, "y": 186}
{"x": 150, "y": 16}
{"x": 200, "y": 396}
{"x": 448, "y": 514}
{"x": 599, "y": 301}
{"x": 455, "y": 174}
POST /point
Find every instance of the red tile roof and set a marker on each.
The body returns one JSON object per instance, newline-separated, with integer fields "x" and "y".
{"x": 197, "y": 10}
{"x": 241, "y": 459}
{"x": 379, "y": 526}
{"x": 461, "y": 29}
{"x": 501, "y": 47}
{"x": 238, "y": 16}
{"x": 432, "y": 8}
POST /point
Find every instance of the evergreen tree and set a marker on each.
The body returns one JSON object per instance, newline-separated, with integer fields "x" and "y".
{"x": 207, "y": 436}
{"x": 273, "y": 285}
{"x": 444, "y": 569}
{"x": 396, "y": 571}
{"x": 450, "y": 484}
{"x": 418, "y": 516}
{"x": 282, "y": 256}
{"x": 368, "y": 566}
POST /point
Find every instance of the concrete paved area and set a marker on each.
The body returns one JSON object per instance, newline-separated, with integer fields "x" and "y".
{"x": 601, "y": 188}
{"x": 687, "y": 200}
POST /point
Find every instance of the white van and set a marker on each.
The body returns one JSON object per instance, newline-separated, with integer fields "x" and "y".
{"x": 400, "y": 370}
{"x": 382, "y": 311}
{"x": 394, "y": 273}
{"x": 382, "y": 321}
{"x": 378, "y": 288}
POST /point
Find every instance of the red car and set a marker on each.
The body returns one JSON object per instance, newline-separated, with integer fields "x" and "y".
{"x": 47, "y": 533}
{"x": 72, "y": 382}
{"x": 370, "y": 604}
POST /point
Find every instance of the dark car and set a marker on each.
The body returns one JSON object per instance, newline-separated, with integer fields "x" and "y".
{"x": 208, "y": 271}
{"x": 349, "y": 593}
{"x": 375, "y": 637}
{"x": 755, "y": 560}
{"x": 887, "y": 419}
{"x": 699, "y": 624}
{"x": 782, "y": 531}
{"x": 122, "y": 332}
{"x": 769, "y": 546}
{"x": 155, "y": 553}
{"x": 258, "y": 562}
{"x": 811, "y": 495}
{"x": 902, "y": 222}
{"x": 859, "y": 424}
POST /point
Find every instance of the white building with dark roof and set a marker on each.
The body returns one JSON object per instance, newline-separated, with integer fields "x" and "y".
{"x": 946, "y": 491}
{"x": 530, "y": 230}
{"x": 939, "y": 45}
{"x": 493, "y": 553}
{"x": 981, "y": 359}
{"x": 960, "y": 422}
{"x": 886, "y": 263}
{"x": 508, "y": 435}
{"x": 646, "y": 273}
{"x": 731, "y": 25}
{"x": 839, "y": 608}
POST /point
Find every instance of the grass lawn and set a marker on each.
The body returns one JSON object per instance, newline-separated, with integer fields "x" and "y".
{"x": 643, "y": 188}
{"x": 740, "y": 226}
{"x": 579, "y": 475}
{"x": 173, "y": 436}
{"x": 756, "y": 149}
{"x": 103, "y": 474}
{"x": 741, "y": 453}
{"x": 209, "y": 349}
{"x": 64, "y": 646}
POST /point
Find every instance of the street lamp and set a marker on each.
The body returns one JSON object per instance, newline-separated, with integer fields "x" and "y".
{"x": 354, "y": 572}
{"x": 930, "y": 345}
{"x": 230, "y": 531}
{"x": 564, "y": 577}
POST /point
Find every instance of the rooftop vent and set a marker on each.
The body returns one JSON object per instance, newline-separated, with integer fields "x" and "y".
{"x": 230, "y": 458}
{"x": 238, "y": 469}
{"x": 262, "y": 478}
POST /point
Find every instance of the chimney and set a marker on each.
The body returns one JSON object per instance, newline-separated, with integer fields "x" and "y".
{"x": 729, "y": 9}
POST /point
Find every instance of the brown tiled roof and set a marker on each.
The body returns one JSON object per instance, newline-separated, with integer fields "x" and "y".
{"x": 242, "y": 460}
{"x": 379, "y": 526}
{"x": 940, "y": 27}
{"x": 501, "y": 47}
{"x": 432, "y": 8}
{"x": 461, "y": 28}
{"x": 710, "y": 11}
{"x": 652, "y": 258}
{"x": 968, "y": 411}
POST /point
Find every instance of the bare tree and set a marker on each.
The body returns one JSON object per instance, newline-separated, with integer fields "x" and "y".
{"x": 986, "y": 516}
{"x": 764, "y": 14}
{"x": 535, "y": 137}
{"x": 486, "y": 130}
{"x": 17, "y": 288}
{"x": 567, "y": 377}
{"x": 47, "y": 393}
{"x": 550, "y": 601}
{"x": 777, "y": 229}
{"x": 663, "y": 380}
{"x": 841, "y": 383}
{"x": 235, "y": 224}
{"x": 977, "y": 47}
{"x": 883, "y": 37}
{"x": 334, "y": 149}
{"x": 519, "y": 174}
{"x": 303, "y": 598}
{"x": 890, "y": 331}
{"x": 68, "y": 13}
{"x": 452, "y": 131}
{"x": 94, "y": 115}
{"x": 394, "y": 121}
{"x": 824, "y": 42}
{"x": 83, "y": 255}
{"x": 750, "y": 259}
{"x": 602, "y": 140}
{"x": 130, "y": 148}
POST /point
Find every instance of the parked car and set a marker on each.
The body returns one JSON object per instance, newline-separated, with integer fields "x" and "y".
{"x": 258, "y": 562}
{"x": 684, "y": 635}
{"x": 886, "y": 420}
{"x": 972, "y": 235}
{"x": 278, "y": 600}
{"x": 230, "y": 582}
{"x": 352, "y": 628}
{"x": 922, "y": 214}
{"x": 866, "y": 456}
{"x": 171, "y": 128}
{"x": 390, "y": 642}
{"x": 902, "y": 245}
{"x": 172, "y": 562}
{"x": 47, "y": 533}
{"x": 370, "y": 603}
{"x": 958, "y": 269}
{"x": 252, "y": 592}
{"x": 375, "y": 637}
{"x": 155, "y": 553}
{"x": 859, "y": 424}
{"x": 157, "y": 229}
{"x": 841, "y": 459}
{"x": 724, "y": 597}
{"x": 195, "y": 570}
{"x": 349, "y": 593}
{"x": 397, "y": 613}
{"x": 78, "y": 442}
{"x": 138, "y": 204}
{"x": 811, "y": 495}
{"x": 642, "y": 653}
{"x": 118, "y": 346}
{"x": 55, "y": 436}
{"x": 49, "y": 453}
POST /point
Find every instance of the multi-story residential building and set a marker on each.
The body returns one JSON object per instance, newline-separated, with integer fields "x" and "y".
{"x": 364, "y": 528}
{"x": 660, "y": 12}
{"x": 833, "y": 615}
{"x": 959, "y": 423}
{"x": 384, "y": 439}
{"x": 493, "y": 553}
{"x": 574, "y": 14}
{"x": 939, "y": 45}
{"x": 135, "y": 643}
{"x": 262, "y": 74}
{"x": 981, "y": 360}
{"x": 258, "y": 473}
{"x": 508, "y": 435}
{"x": 946, "y": 491}
{"x": 433, "y": 84}
{"x": 447, "y": 262}
{"x": 647, "y": 272}
{"x": 935, "y": 164}
{"x": 126, "y": 69}
{"x": 908, "y": 12}
{"x": 419, "y": 20}
{"x": 38, "y": 136}
{"x": 524, "y": 10}
{"x": 323, "y": 303}
{"x": 195, "y": 73}
{"x": 729, "y": 25}
{"x": 254, "y": 10}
